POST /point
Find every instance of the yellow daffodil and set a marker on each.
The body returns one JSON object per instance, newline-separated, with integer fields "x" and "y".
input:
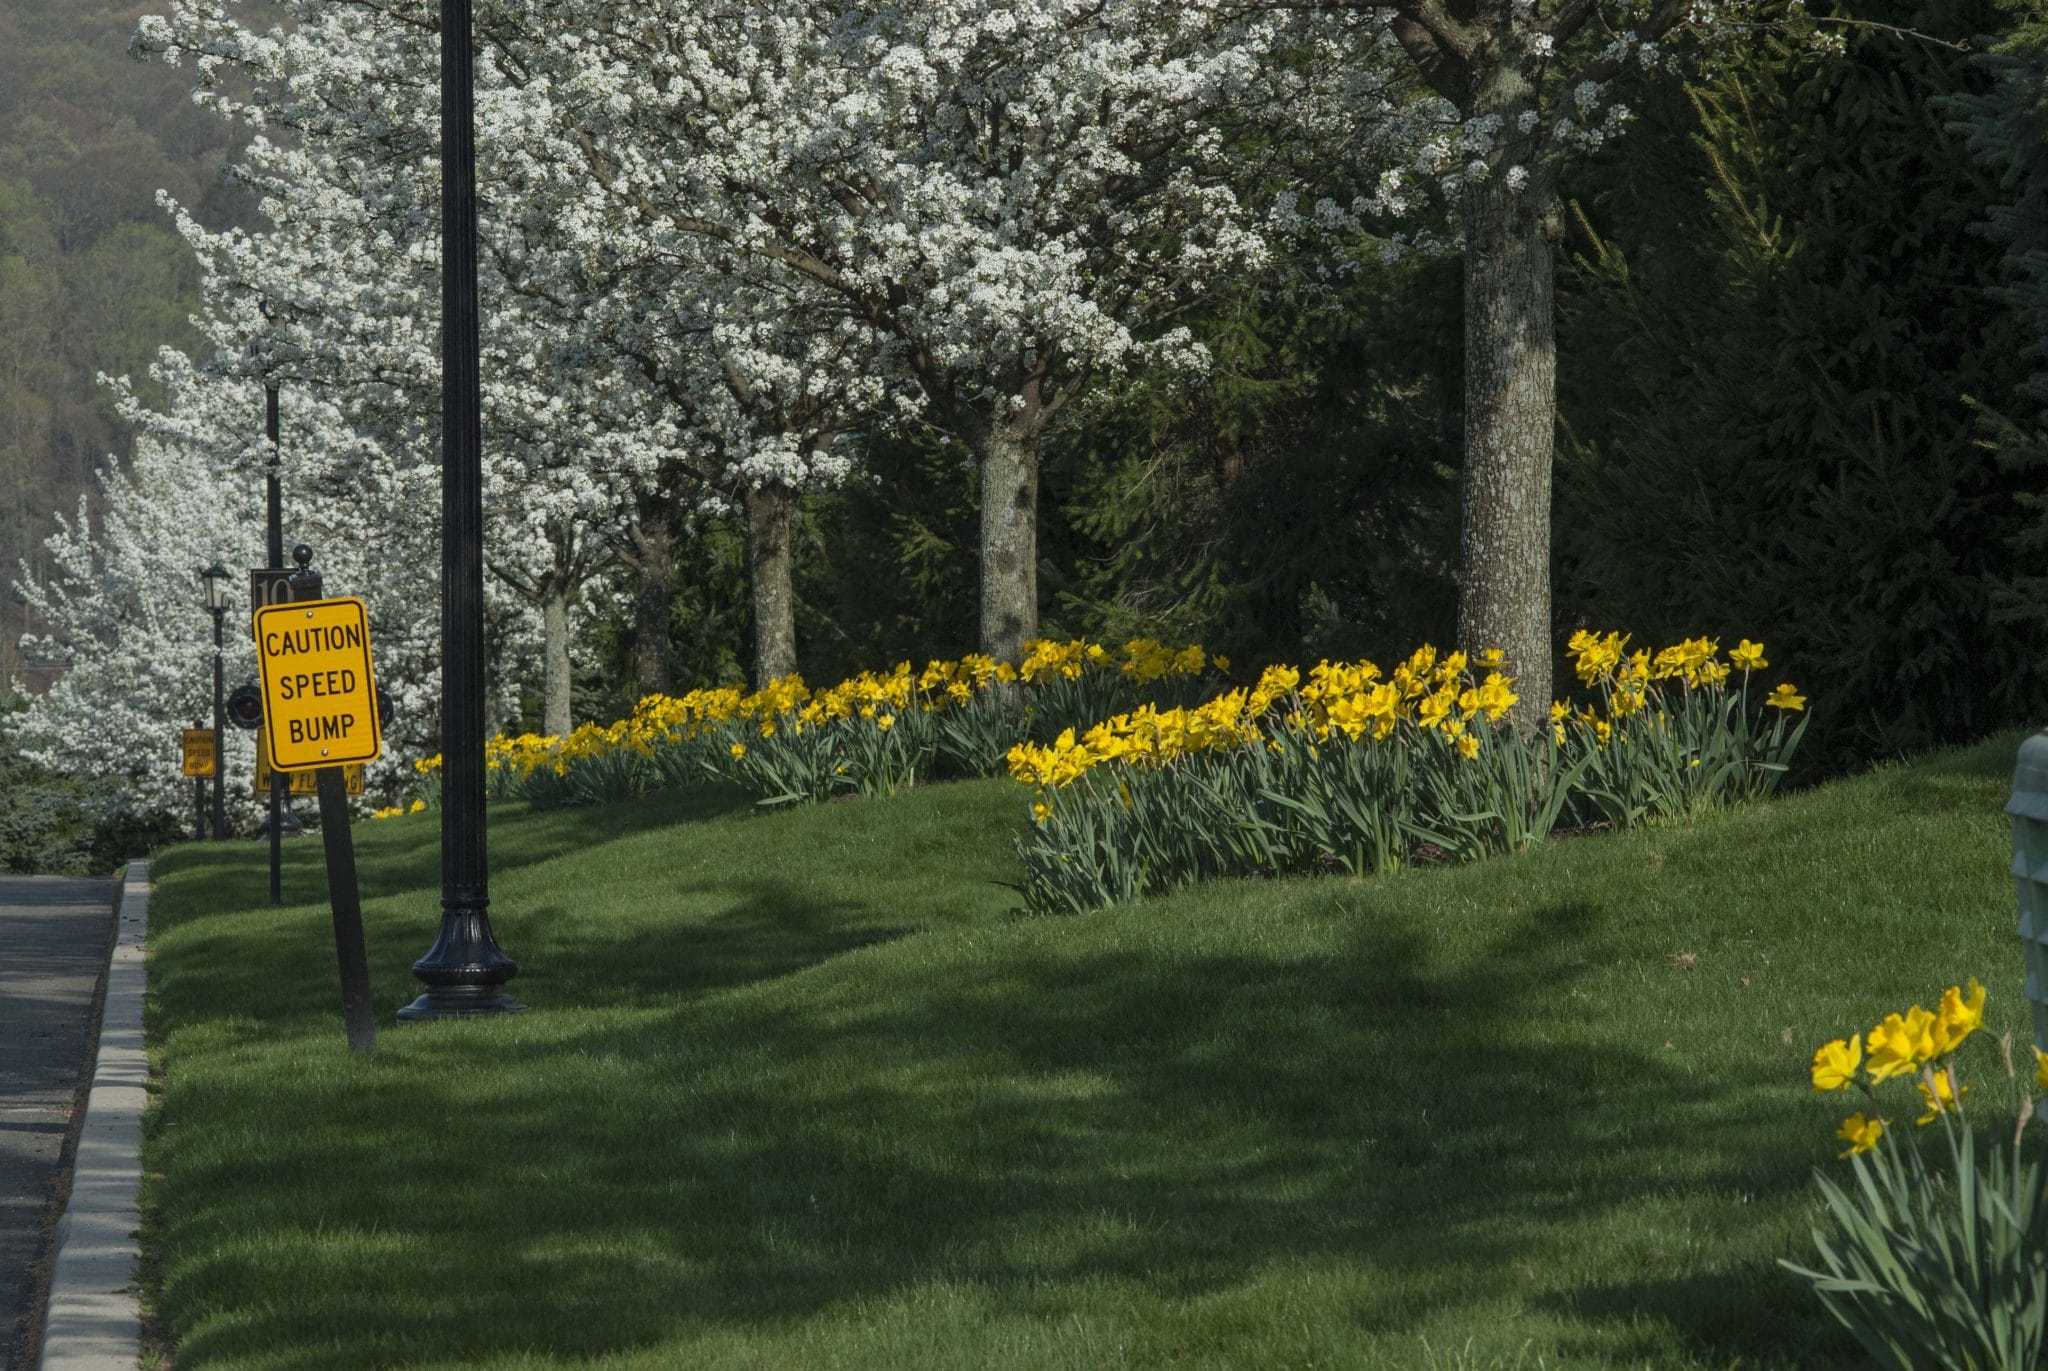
{"x": 1748, "y": 656}
{"x": 1494, "y": 696}
{"x": 1942, "y": 1097}
{"x": 1834, "y": 1065}
{"x": 739, "y": 750}
{"x": 1493, "y": 657}
{"x": 1899, "y": 1044}
{"x": 1786, "y": 697}
{"x": 1433, "y": 708}
{"x": 1468, "y": 746}
{"x": 1860, "y": 1133}
{"x": 1958, "y": 1017}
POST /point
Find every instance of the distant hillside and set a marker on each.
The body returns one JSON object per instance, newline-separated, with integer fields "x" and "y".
{"x": 92, "y": 278}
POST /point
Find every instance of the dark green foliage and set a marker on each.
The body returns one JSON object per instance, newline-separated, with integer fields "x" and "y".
{"x": 44, "y": 829}
{"x": 710, "y": 629}
{"x": 2006, "y": 122}
{"x": 40, "y": 827}
{"x": 1300, "y": 500}
{"x": 886, "y": 566}
{"x": 2007, "y": 126}
{"x": 1778, "y": 350}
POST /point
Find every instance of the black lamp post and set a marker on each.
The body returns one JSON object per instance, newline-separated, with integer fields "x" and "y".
{"x": 215, "y": 579}
{"x": 273, "y": 501}
{"x": 465, "y": 971}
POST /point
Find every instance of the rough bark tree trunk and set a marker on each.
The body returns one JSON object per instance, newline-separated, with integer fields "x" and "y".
{"x": 769, "y": 510}
{"x": 1510, "y": 427}
{"x": 653, "y": 557}
{"x": 1009, "y": 529}
{"x": 556, "y": 716}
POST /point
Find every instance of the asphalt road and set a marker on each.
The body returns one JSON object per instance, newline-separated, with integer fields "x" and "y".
{"x": 54, "y": 935}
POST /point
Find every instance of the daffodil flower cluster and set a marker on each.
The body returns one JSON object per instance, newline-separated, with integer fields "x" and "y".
{"x": 1146, "y": 736}
{"x": 1930, "y": 1260}
{"x": 1626, "y": 681}
{"x": 1673, "y": 732}
{"x": 396, "y": 811}
{"x": 1918, "y": 1043}
{"x": 1353, "y": 699}
{"x": 1352, "y": 767}
{"x": 745, "y": 728}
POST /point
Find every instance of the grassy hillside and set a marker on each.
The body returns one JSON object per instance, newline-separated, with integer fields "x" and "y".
{"x": 801, "y": 1090}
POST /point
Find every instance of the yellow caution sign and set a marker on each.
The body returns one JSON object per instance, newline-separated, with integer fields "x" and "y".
{"x": 319, "y": 693}
{"x": 301, "y": 782}
{"x": 199, "y": 758}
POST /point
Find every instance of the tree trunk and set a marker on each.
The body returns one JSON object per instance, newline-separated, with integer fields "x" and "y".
{"x": 556, "y": 717}
{"x": 654, "y": 558}
{"x": 1009, "y": 528}
{"x": 769, "y": 509}
{"x": 1510, "y": 427}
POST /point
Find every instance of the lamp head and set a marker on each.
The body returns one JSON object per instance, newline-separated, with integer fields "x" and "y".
{"x": 217, "y": 579}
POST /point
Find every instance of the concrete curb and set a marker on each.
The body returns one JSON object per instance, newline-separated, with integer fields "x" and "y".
{"x": 94, "y": 1321}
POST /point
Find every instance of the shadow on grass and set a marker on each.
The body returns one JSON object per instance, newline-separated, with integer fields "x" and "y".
{"x": 762, "y": 929}
{"x": 1070, "y": 1118}
{"x": 397, "y": 856}
{"x": 738, "y": 932}
{"x": 1733, "y": 1318}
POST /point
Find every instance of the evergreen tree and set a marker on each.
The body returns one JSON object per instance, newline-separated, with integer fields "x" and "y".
{"x": 1776, "y": 415}
{"x": 2007, "y": 126}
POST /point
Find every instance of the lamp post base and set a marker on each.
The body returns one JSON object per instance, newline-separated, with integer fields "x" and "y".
{"x": 464, "y": 971}
{"x": 460, "y": 1002}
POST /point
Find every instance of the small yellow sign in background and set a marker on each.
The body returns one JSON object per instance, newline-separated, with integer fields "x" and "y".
{"x": 319, "y": 694}
{"x": 301, "y": 782}
{"x": 199, "y": 759}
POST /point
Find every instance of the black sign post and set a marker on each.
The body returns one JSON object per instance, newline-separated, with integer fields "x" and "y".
{"x": 342, "y": 893}
{"x": 276, "y": 576}
{"x": 356, "y": 1016}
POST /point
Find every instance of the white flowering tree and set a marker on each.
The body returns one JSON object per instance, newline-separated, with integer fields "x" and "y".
{"x": 122, "y": 605}
{"x": 768, "y": 384}
{"x": 122, "y": 612}
{"x": 342, "y": 294}
{"x": 617, "y": 379}
{"x": 1013, "y": 196}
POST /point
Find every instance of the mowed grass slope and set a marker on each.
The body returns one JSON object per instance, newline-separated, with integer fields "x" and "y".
{"x": 800, "y": 1090}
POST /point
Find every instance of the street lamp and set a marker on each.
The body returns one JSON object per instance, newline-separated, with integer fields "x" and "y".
{"x": 465, "y": 970}
{"x": 215, "y": 579}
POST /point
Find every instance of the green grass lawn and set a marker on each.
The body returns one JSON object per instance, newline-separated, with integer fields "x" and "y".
{"x": 801, "y": 1090}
